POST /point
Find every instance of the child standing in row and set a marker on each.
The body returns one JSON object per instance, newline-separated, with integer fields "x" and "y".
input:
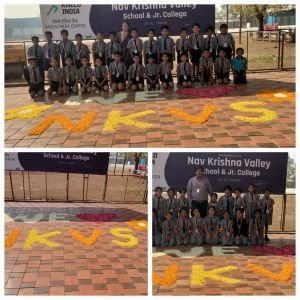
{"x": 251, "y": 201}
{"x": 182, "y": 44}
{"x": 267, "y": 204}
{"x": 98, "y": 47}
{"x": 70, "y": 77}
{"x": 239, "y": 67}
{"x": 166, "y": 44}
{"x": 196, "y": 44}
{"x": 206, "y": 68}
{"x": 150, "y": 47}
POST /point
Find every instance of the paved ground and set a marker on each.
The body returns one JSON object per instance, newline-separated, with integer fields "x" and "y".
{"x": 73, "y": 268}
{"x": 221, "y": 129}
{"x": 250, "y": 282}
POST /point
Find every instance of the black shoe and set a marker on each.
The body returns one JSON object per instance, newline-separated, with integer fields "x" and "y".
{"x": 267, "y": 239}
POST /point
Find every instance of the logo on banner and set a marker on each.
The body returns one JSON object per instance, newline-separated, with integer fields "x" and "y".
{"x": 53, "y": 9}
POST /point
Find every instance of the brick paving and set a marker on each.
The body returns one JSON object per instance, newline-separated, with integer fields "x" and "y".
{"x": 250, "y": 282}
{"x": 72, "y": 268}
{"x": 221, "y": 130}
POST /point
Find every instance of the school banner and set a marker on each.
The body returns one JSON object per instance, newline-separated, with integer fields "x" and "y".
{"x": 88, "y": 19}
{"x": 63, "y": 162}
{"x": 236, "y": 169}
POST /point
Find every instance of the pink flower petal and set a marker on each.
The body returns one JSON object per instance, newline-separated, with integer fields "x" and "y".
{"x": 98, "y": 218}
{"x": 208, "y": 92}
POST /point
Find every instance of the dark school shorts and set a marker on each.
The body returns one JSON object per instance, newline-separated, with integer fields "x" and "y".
{"x": 195, "y": 56}
{"x": 36, "y": 87}
{"x": 164, "y": 79}
{"x": 120, "y": 79}
{"x": 181, "y": 78}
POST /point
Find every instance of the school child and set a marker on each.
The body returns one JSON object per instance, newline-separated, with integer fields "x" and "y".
{"x": 210, "y": 42}
{"x": 55, "y": 78}
{"x": 111, "y": 47}
{"x": 196, "y": 44}
{"x": 165, "y": 71}
{"x": 226, "y": 202}
{"x": 211, "y": 226}
{"x": 251, "y": 201}
{"x": 98, "y": 47}
{"x": 135, "y": 45}
{"x": 150, "y": 47}
{"x": 226, "y": 41}
{"x": 100, "y": 75}
{"x": 214, "y": 202}
{"x": 239, "y": 67}
{"x": 222, "y": 68}
{"x": 66, "y": 46}
{"x": 226, "y": 230}
{"x": 156, "y": 229}
{"x": 197, "y": 229}
{"x": 50, "y": 50}
{"x": 152, "y": 73}
{"x": 182, "y": 44}
{"x": 257, "y": 229}
{"x": 82, "y": 50}
{"x": 136, "y": 74}
{"x": 267, "y": 204}
{"x": 166, "y": 44}
{"x": 184, "y": 71}
{"x": 172, "y": 203}
{"x": 35, "y": 78}
{"x": 36, "y": 51}
{"x": 159, "y": 203}
{"x": 85, "y": 75}
{"x": 117, "y": 73}
{"x": 183, "y": 200}
{"x": 70, "y": 77}
{"x": 240, "y": 228}
{"x": 183, "y": 228}
{"x": 206, "y": 68}
{"x": 238, "y": 201}
{"x": 168, "y": 237}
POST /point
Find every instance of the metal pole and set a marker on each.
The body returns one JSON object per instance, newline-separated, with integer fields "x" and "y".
{"x": 116, "y": 163}
{"x": 283, "y": 212}
{"x": 279, "y": 48}
{"x": 124, "y": 163}
{"x": 282, "y": 49}
{"x": 11, "y": 186}
{"x": 247, "y": 46}
{"x": 227, "y": 14}
{"x": 125, "y": 189}
{"x": 67, "y": 186}
{"x": 105, "y": 187}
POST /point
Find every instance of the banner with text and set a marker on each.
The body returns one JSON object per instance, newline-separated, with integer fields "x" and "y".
{"x": 89, "y": 19}
{"x": 236, "y": 169}
{"x": 63, "y": 162}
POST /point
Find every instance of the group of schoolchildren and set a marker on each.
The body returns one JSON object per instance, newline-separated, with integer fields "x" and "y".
{"x": 231, "y": 220}
{"x": 199, "y": 59}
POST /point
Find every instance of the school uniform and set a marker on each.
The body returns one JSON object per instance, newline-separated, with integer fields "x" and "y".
{"x": 82, "y": 50}
{"x": 226, "y": 203}
{"x": 123, "y": 41}
{"x": 197, "y": 234}
{"x": 55, "y": 76}
{"x": 136, "y": 74}
{"x": 238, "y": 203}
{"x": 67, "y": 48}
{"x": 222, "y": 68}
{"x": 225, "y": 42}
{"x": 118, "y": 71}
{"x": 156, "y": 232}
{"x": 70, "y": 75}
{"x": 184, "y": 203}
{"x": 98, "y": 49}
{"x": 165, "y": 71}
{"x": 239, "y": 65}
{"x": 166, "y": 45}
{"x": 257, "y": 232}
{"x": 172, "y": 205}
{"x": 206, "y": 69}
{"x": 100, "y": 72}
{"x": 182, "y": 46}
{"x": 211, "y": 44}
{"x": 159, "y": 204}
{"x": 85, "y": 74}
{"x": 267, "y": 209}
{"x": 111, "y": 47}
{"x": 212, "y": 224}
{"x": 151, "y": 48}
{"x": 37, "y": 52}
{"x": 35, "y": 79}
{"x": 168, "y": 238}
{"x": 184, "y": 72}
{"x": 50, "y": 50}
{"x": 240, "y": 232}
{"x": 196, "y": 44}
{"x": 251, "y": 202}
{"x": 216, "y": 205}
{"x": 151, "y": 71}
{"x": 135, "y": 46}
{"x": 226, "y": 234}
{"x": 183, "y": 231}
